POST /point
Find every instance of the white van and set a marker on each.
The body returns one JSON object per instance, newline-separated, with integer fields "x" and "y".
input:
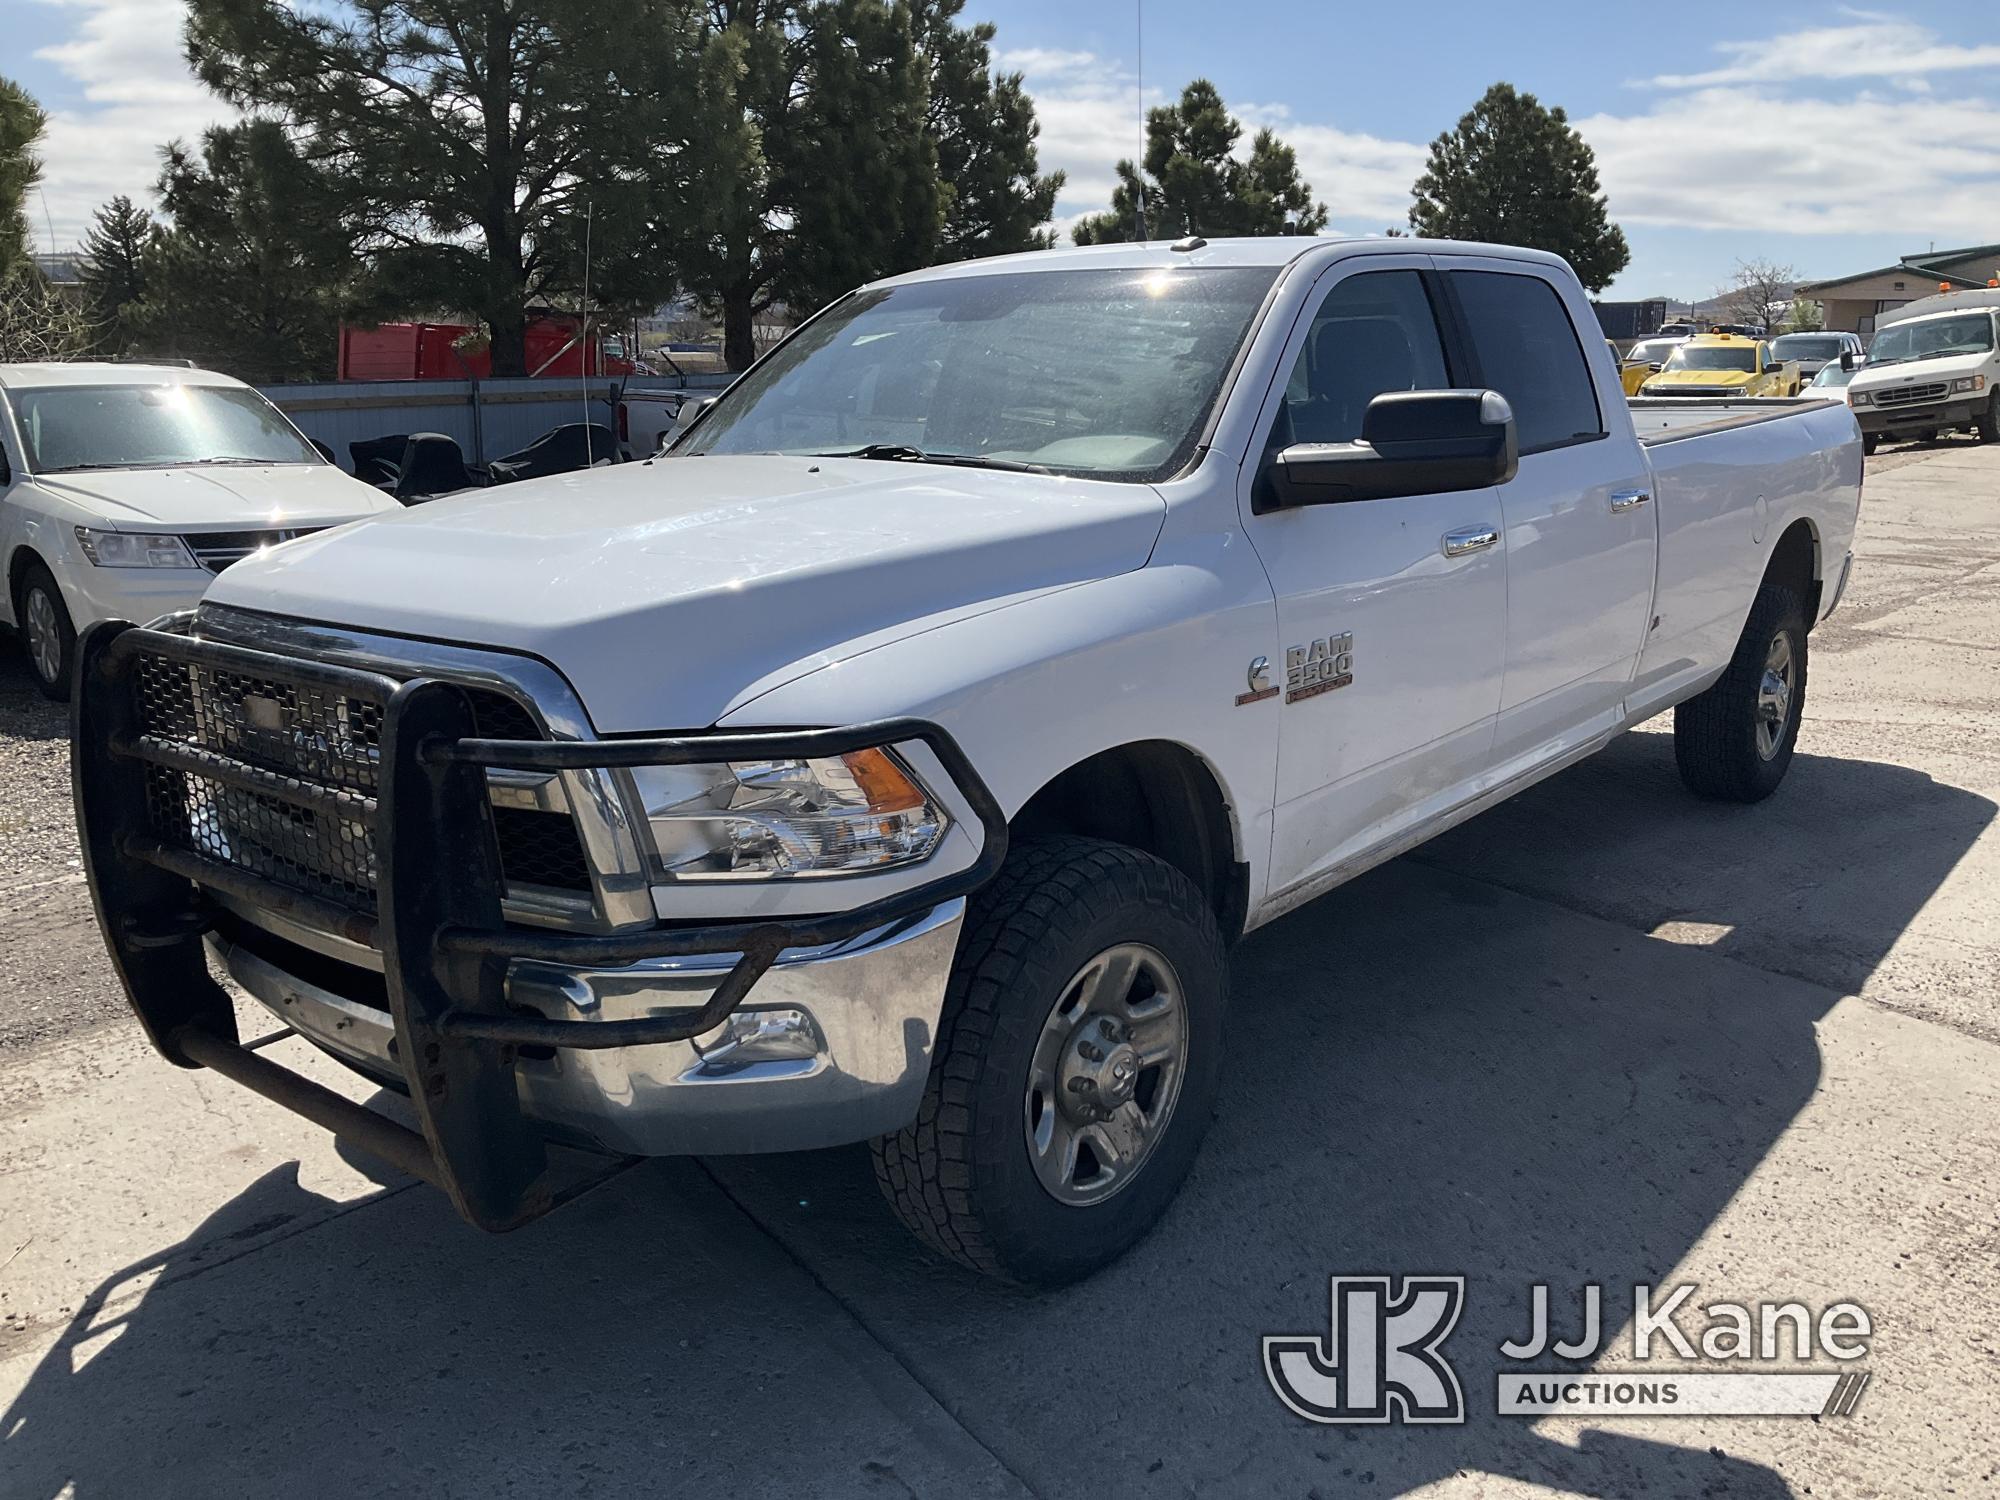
{"x": 125, "y": 488}
{"x": 1934, "y": 367}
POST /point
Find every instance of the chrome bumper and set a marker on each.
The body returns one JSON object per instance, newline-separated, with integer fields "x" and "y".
{"x": 833, "y": 1044}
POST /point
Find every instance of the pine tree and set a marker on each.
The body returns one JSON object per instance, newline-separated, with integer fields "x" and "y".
{"x": 1194, "y": 183}
{"x": 114, "y": 273}
{"x": 1513, "y": 173}
{"x": 21, "y": 125}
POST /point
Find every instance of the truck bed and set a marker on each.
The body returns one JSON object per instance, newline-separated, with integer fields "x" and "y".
{"x": 1668, "y": 419}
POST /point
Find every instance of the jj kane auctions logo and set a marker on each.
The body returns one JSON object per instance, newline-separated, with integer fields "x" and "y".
{"x": 1382, "y": 1359}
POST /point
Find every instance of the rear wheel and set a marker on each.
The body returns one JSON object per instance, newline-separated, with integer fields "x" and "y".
{"x": 1075, "y": 1069}
{"x": 1734, "y": 742}
{"x": 46, "y": 632}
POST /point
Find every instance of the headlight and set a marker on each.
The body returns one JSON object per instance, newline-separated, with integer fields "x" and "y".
{"x": 134, "y": 549}
{"x": 1968, "y": 383}
{"x": 759, "y": 820}
{"x": 1860, "y": 398}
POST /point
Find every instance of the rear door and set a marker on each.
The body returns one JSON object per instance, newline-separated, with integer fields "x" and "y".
{"x": 1581, "y": 539}
{"x": 1391, "y": 612}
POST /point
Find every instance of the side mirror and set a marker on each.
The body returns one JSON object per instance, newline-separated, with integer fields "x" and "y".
{"x": 1412, "y": 443}
{"x": 1847, "y": 360}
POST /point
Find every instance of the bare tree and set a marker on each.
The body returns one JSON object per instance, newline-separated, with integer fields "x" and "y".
{"x": 38, "y": 322}
{"x": 1760, "y": 295}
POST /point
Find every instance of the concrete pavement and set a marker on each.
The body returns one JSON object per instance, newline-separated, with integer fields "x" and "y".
{"x": 1606, "y": 1033}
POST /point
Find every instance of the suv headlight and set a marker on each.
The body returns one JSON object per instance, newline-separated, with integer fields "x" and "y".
{"x": 758, "y": 820}
{"x": 1860, "y": 398}
{"x": 1968, "y": 383}
{"x": 134, "y": 549}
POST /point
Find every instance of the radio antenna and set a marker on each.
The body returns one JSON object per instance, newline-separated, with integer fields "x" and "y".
{"x": 1139, "y": 100}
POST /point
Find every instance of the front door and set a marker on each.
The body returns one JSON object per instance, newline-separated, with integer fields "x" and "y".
{"x": 1391, "y": 613}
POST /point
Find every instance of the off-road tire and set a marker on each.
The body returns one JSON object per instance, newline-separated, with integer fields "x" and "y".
{"x": 37, "y": 578}
{"x": 1715, "y": 733}
{"x": 959, "y": 1176}
{"x": 1988, "y": 425}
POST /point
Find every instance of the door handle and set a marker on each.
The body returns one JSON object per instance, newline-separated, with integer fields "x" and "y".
{"x": 1460, "y": 543}
{"x": 1629, "y": 499}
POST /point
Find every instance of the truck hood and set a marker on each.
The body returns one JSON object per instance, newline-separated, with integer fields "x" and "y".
{"x": 1705, "y": 378}
{"x": 217, "y": 498}
{"x": 671, "y": 591}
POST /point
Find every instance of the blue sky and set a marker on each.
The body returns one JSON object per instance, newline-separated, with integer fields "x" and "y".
{"x": 1828, "y": 138}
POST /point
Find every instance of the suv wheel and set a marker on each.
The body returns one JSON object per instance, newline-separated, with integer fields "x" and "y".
{"x": 46, "y": 632}
{"x": 1076, "y": 1065}
{"x": 1734, "y": 742}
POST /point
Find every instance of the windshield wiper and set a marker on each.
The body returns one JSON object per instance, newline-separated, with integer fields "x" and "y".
{"x": 908, "y": 453}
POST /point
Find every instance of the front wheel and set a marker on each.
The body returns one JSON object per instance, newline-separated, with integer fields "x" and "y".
{"x": 1988, "y": 425}
{"x": 46, "y": 632}
{"x": 1870, "y": 441}
{"x": 1076, "y": 1065}
{"x": 1734, "y": 742}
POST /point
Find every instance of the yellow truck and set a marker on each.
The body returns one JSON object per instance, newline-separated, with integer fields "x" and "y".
{"x": 1724, "y": 364}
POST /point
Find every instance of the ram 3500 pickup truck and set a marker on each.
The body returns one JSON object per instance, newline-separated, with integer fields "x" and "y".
{"x": 898, "y": 757}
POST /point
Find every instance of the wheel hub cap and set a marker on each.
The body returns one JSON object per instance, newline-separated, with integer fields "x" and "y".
{"x": 1774, "y": 696}
{"x": 1105, "y": 1074}
{"x": 44, "y": 640}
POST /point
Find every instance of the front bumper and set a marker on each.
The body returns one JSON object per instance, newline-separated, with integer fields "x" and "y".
{"x": 1895, "y": 421}
{"x": 227, "y": 795}
{"x": 832, "y": 1045}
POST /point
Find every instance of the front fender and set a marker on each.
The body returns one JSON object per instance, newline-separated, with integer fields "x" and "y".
{"x": 1036, "y": 687}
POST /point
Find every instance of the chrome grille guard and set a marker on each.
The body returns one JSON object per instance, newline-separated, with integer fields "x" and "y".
{"x": 403, "y": 817}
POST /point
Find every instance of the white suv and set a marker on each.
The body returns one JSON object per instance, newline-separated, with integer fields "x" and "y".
{"x": 125, "y": 488}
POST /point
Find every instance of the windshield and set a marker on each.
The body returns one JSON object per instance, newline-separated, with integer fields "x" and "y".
{"x": 1109, "y": 373}
{"x": 1832, "y": 375}
{"x": 1933, "y": 338}
{"x": 1807, "y": 346}
{"x": 65, "y": 427}
{"x": 1653, "y": 353}
{"x": 1714, "y": 357}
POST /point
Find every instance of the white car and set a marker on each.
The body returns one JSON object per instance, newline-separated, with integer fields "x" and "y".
{"x": 124, "y": 489}
{"x": 1831, "y": 382}
{"x": 898, "y": 756}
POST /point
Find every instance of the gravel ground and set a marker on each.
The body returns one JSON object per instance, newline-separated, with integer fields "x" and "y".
{"x": 51, "y": 966}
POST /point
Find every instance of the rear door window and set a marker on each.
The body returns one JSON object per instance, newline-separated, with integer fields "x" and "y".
{"x": 1527, "y": 350}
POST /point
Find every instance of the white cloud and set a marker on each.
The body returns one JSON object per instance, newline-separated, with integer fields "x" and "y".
{"x": 138, "y": 95}
{"x": 1715, "y": 160}
{"x": 1870, "y": 46}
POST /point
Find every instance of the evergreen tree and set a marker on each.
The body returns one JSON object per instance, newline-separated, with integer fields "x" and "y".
{"x": 21, "y": 124}
{"x": 1513, "y": 173}
{"x": 248, "y": 279}
{"x": 114, "y": 274}
{"x": 1194, "y": 183}
{"x": 466, "y": 142}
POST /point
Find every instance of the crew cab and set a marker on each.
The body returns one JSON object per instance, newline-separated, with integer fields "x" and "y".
{"x": 1724, "y": 364}
{"x": 899, "y": 756}
{"x": 124, "y": 489}
{"x": 1934, "y": 366}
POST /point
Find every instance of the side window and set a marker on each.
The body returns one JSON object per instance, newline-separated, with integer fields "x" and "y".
{"x": 1527, "y": 351}
{"x": 1375, "y": 332}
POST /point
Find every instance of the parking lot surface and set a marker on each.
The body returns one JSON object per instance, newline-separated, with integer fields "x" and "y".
{"x": 1606, "y": 1033}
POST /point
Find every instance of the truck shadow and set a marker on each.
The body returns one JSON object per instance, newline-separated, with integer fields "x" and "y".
{"x": 1429, "y": 1074}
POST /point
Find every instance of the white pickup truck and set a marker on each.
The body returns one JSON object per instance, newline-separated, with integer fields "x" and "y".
{"x": 898, "y": 758}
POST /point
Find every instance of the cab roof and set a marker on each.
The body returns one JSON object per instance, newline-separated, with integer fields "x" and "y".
{"x": 106, "y": 372}
{"x": 1266, "y": 250}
